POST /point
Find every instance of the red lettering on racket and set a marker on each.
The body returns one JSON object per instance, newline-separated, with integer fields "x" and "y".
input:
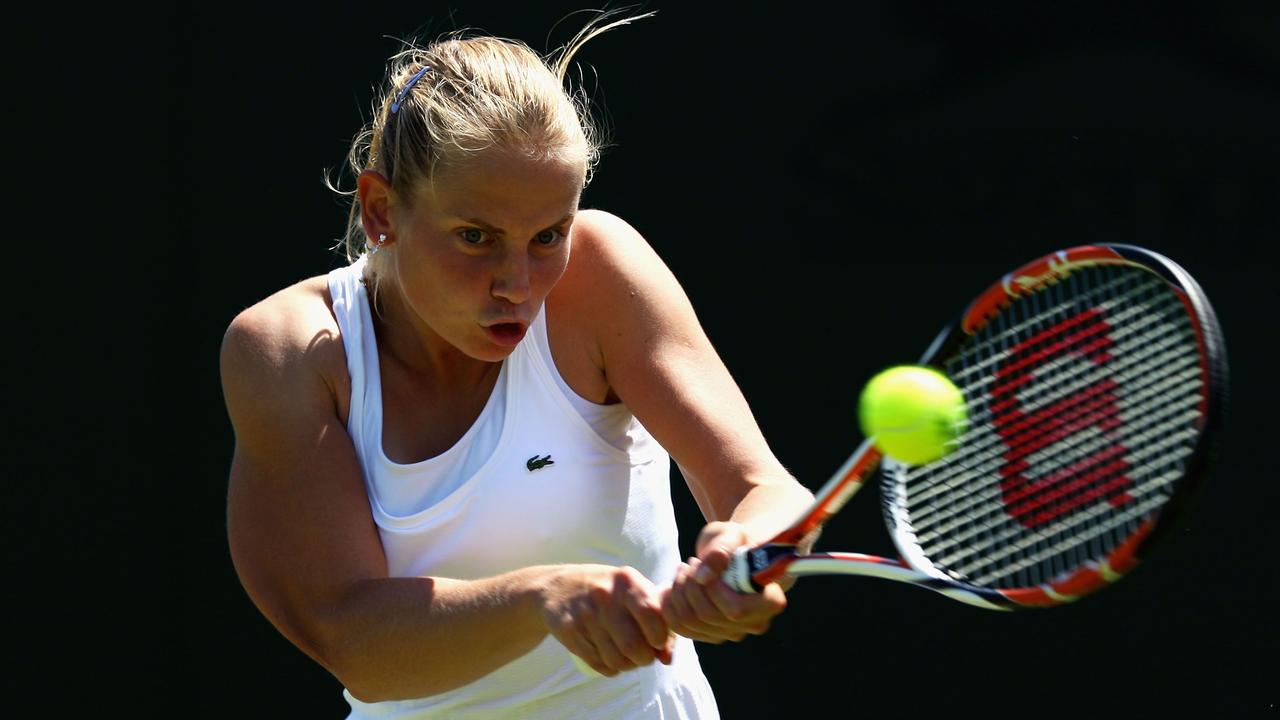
{"x": 1099, "y": 475}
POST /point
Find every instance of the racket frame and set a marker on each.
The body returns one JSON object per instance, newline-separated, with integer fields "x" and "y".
{"x": 751, "y": 568}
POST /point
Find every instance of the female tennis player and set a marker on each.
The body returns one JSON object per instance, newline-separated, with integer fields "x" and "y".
{"x": 451, "y": 470}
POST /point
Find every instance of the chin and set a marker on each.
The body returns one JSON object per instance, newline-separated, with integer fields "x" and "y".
{"x": 493, "y": 355}
{"x": 486, "y": 351}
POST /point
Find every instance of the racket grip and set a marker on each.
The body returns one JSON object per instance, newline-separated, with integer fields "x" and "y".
{"x": 738, "y": 574}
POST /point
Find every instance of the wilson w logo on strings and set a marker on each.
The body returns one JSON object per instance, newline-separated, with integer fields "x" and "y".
{"x": 1054, "y": 419}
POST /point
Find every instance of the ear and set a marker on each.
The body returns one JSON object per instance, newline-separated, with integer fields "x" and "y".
{"x": 375, "y": 204}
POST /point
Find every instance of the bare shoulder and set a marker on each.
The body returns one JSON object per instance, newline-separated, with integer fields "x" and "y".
{"x": 614, "y": 283}
{"x": 611, "y": 262}
{"x": 605, "y": 241}
{"x": 276, "y": 331}
{"x": 284, "y": 341}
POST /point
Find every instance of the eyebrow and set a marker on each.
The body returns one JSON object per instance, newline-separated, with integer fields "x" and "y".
{"x": 495, "y": 229}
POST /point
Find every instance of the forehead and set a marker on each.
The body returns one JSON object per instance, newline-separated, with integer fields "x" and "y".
{"x": 507, "y": 189}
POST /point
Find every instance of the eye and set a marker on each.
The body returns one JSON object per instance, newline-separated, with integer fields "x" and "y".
{"x": 548, "y": 237}
{"x": 472, "y": 236}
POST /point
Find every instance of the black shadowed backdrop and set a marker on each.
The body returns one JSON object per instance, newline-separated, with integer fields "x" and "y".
{"x": 830, "y": 183}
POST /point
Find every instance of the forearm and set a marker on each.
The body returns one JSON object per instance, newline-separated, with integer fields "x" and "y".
{"x": 398, "y": 638}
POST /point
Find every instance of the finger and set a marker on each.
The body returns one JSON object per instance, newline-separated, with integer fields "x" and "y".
{"x": 581, "y": 650}
{"x": 716, "y": 544}
{"x": 668, "y": 652}
{"x": 711, "y": 620}
{"x": 645, "y": 609}
{"x": 749, "y": 613}
{"x": 587, "y": 658}
{"x": 681, "y": 620}
{"x": 695, "y": 595}
{"x": 699, "y": 614}
{"x": 641, "y": 631}
{"x": 700, "y": 637}
{"x": 774, "y": 595}
{"x": 612, "y": 660}
{"x": 712, "y": 563}
{"x": 583, "y": 666}
{"x": 679, "y": 615}
{"x": 615, "y": 633}
{"x": 629, "y": 640}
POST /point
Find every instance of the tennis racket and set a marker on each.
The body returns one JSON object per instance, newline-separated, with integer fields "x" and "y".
{"x": 1094, "y": 380}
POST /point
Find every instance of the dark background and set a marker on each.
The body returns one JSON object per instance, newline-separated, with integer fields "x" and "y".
{"x": 831, "y": 183}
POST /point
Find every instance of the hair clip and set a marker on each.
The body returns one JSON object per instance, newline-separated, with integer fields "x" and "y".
{"x": 407, "y": 87}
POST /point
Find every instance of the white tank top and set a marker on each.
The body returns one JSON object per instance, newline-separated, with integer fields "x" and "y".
{"x": 530, "y": 483}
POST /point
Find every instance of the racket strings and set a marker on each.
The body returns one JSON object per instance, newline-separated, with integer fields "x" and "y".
{"x": 983, "y": 452}
{"x": 1084, "y": 399}
{"x": 1134, "y": 326}
{"x": 976, "y": 511}
{"x": 955, "y": 548}
{"x": 1138, "y": 345}
{"x": 976, "y": 361}
{"x": 943, "y": 489}
{"x": 1090, "y": 480}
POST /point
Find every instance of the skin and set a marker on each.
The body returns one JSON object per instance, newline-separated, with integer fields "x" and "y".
{"x": 492, "y": 242}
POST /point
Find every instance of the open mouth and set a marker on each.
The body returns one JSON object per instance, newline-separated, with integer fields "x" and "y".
{"x": 507, "y": 333}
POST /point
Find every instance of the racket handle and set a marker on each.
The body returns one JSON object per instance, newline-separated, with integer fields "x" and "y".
{"x": 738, "y": 574}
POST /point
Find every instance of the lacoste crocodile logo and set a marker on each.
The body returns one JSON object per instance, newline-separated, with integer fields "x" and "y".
{"x": 537, "y": 463}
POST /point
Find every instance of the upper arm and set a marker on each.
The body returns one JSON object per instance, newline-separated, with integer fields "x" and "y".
{"x": 298, "y": 518}
{"x": 659, "y": 361}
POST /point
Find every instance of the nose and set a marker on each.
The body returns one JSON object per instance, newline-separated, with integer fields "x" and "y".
{"x": 511, "y": 279}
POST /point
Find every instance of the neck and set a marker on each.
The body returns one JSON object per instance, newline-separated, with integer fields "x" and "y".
{"x": 417, "y": 347}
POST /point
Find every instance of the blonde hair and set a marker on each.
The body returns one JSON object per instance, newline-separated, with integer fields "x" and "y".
{"x": 459, "y": 96}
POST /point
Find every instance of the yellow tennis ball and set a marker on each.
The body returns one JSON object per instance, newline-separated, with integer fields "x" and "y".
{"x": 912, "y": 413}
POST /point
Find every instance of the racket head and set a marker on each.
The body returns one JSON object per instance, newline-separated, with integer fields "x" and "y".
{"x": 1095, "y": 380}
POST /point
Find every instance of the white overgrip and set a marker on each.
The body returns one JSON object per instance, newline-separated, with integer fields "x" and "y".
{"x": 738, "y": 574}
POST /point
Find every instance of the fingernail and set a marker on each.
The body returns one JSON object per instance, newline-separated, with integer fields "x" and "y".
{"x": 702, "y": 575}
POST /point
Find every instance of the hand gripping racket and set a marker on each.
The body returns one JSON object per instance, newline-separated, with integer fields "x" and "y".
{"x": 1094, "y": 380}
